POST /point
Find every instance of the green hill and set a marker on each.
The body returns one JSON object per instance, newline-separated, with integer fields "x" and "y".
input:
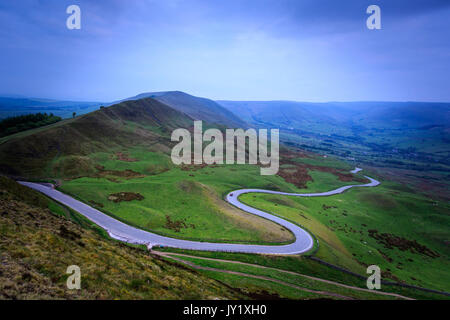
{"x": 126, "y": 147}
{"x": 144, "y": 122}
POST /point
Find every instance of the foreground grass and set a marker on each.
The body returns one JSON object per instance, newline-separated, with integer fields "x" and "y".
{"x": 305, "y": 266}
{"x": 37, "y": 246}
{"x": 261, "y": 289}
{"x": 290, "y": 278}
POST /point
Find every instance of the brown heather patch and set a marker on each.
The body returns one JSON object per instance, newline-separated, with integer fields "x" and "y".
{"x": 297, "y": 173}
{"x": 125, "y": 157}
{"x": 126, "y": 174}
{"x": 125, "y": 196}
{"x": 298, "y": 176}
{"x": 177, "y": 225}
{"x": 391, "y": 241}
{"x": 379, "y": 200}
{"x": 292, "y": 154}
{"x": 385, "y": 256}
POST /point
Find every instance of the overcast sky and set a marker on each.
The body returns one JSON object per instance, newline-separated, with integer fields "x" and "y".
{"x": 305, "y": 50}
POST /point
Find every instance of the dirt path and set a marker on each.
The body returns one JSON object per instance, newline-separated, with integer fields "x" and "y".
{"x": 171, "y": 255}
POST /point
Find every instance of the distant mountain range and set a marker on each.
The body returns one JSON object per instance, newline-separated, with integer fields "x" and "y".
{"x": 284, "y": 114}
{"x": 304, "y": 115}
{"x": 403, "y": 135}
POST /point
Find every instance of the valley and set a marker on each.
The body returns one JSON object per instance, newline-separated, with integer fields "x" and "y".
{"x": 405, "y": 141}
{"x": 117, "y": 160}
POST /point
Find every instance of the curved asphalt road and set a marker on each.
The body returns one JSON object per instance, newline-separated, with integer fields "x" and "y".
{"x": 121, "y": 231}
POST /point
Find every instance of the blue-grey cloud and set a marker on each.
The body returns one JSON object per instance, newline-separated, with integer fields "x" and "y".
{"x": 234, "y": 49}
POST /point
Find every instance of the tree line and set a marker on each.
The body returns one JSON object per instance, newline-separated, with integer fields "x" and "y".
{"x": 13, "y": 125}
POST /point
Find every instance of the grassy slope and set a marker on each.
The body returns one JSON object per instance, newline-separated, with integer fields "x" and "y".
{"x": 268, "y": 288}
{"x": 146, "y": 122}
{"x": 286, "y": 277}
{"x": 338, "y": 245}
{"x": 36, "y": 249}
{"x": 303, "y": 265}
{"x": 342, "y": 225}
{"x": 77, "y": 147}
{"x": 192, "y": 195}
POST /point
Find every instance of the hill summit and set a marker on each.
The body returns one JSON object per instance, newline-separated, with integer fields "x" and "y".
{"x": 196, "y": 107}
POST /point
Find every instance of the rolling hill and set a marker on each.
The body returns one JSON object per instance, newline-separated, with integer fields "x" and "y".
{"x": 197, "y": 108}
{"x": 146, "y": 122}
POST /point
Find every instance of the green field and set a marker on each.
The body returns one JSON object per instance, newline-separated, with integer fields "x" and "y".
{"x": 412, "y": 230}
{"x": 190, "y": 198}
{"x": 185, "y": 202}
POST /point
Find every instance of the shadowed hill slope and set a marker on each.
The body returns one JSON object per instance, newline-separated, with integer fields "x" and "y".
{"x": 129, "y": 123}
{"x": 196, "y": 107}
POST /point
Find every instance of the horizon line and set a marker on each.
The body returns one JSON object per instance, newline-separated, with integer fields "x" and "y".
{"x": 114, "y": 101}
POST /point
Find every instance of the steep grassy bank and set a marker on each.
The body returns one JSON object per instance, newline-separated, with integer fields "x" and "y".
{"x": 37, "y": 245}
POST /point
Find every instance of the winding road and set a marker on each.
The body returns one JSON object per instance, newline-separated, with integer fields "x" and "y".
{"x": 121, "y": 231}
